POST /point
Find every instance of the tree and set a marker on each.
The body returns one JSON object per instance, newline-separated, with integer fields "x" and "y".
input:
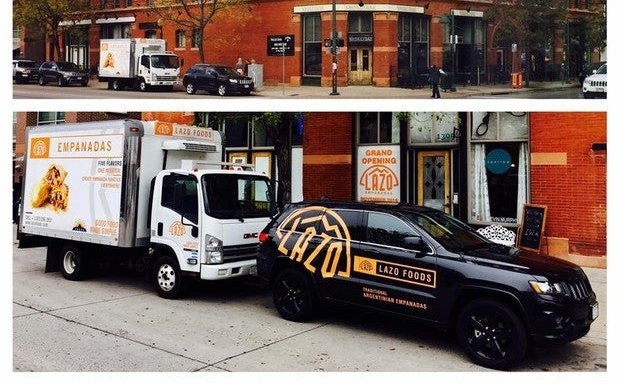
{"x": 595, "y": 26}
{"x": 45, "y": 17}
{"x": 529, "y": 23}
{"x": 195, "y": 15}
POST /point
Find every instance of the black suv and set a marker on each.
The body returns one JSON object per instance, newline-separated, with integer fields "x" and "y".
{"x": 62, "y": 73}
{"x": 216, "y": 79}
{"x": 424, "y": 264}
{"x": 25, "y": 71}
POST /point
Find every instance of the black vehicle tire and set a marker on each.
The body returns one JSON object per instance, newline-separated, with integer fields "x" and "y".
{"x": 168, "y": 278}
{"x": 587, "y": 95}
{"x": 42, "y": 81}
{"x": 190, "y": 88}
{"x": 72, "y": 263}
{"x": 492, "y": 334}
{"x": 84, "y": 83}
{"x": 60, "y": 81}
{"x": 293, "y": 295}
{"x": 116, "y": 85}
{"x": 17, "y": 80}
{"x": 142, "y": 86}
{"x": 246, "y": 93}
{"x": 222, "y": 90}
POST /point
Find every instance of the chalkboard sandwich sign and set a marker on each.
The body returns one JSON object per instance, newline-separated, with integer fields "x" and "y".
{"x": 532, "y": 229}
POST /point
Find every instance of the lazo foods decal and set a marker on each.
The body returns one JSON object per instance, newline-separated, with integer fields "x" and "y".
{"x": 379, "y": 174}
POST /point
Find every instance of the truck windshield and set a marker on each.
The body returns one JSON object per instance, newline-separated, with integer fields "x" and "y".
{"x": 234, "y": 196}
{"x": 164, "y": 61}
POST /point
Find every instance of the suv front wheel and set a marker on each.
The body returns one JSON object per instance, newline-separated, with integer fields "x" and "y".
{"x": 293, "y": 295}
{"x": 492, "y": 334}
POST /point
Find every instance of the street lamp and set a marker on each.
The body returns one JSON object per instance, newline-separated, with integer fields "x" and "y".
{"x": 449, "y": 20}
{"x": 334, "y": 91}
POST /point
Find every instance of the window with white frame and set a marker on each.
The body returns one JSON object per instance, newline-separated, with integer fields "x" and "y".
{"x": 378, "y": 128}
{"x": 45, "y": 118}
{"x": 499, "y": 167}
{"x": 180, "y": 39}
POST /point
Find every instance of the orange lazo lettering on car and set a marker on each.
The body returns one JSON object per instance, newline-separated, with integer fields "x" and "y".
{"x": 334, "y": 244}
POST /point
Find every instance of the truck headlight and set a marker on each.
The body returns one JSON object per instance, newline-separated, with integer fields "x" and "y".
{"x": 213, "y": 250}
{"x": 546, "y": 288}
{"x": 154, "y": 77}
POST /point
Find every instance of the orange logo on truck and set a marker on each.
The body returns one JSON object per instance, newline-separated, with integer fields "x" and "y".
{"x": 40, "y": 148}
{"x": 163, "y": 128}
{"x": 177, "y": 229}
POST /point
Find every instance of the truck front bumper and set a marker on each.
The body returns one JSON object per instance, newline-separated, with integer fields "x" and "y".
{"x": 228, "y": 270}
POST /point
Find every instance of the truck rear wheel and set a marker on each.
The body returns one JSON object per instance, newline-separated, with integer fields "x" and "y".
{"x": 116, "y": 85}
{"x": 293, "y": 295}
{"x": 72, "y": 263}
{"x": 168, "y": 278}
{"x": 492, "y": 334}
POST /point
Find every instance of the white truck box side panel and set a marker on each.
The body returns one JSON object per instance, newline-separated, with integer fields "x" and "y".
{"x": 73, "y": 183}
{"x": 115, "y": 58}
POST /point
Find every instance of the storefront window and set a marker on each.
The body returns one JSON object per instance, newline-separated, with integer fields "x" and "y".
{"x": 359, "y": 22}
{"x": 378, "y": 127}
{"x": 45, "y": 118}
{"x": 499, "y": 167}
{"x": 236, "y": 133}
{"x": 116, "y": 31}
{"x": 434, "y": 128}
{"x": 412, "y": 49}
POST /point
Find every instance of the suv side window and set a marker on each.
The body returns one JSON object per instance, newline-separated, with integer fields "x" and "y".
{"x": 302, "y": 219}
{"x": 353, "y": 221}
{"x": 387, "y": 229}
{"x": 180, "y": 194}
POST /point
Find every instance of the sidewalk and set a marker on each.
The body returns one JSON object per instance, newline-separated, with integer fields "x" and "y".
{"x": 359, "y": 92}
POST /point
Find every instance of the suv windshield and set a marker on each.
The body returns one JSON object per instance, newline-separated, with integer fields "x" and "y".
{"x": 601, "y": 70}
{"x": 451, "y": 233}
{"x": 66, "y": 66}
{"x": 233, "y": 196}
{"x": 226, "y": 71}
{"x": 164, "y": 61}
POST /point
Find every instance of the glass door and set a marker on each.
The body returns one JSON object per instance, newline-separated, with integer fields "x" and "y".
{"x": 433, "y": 180}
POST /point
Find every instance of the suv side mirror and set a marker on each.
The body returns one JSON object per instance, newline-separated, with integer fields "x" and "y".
{"x": 415, "y": 243}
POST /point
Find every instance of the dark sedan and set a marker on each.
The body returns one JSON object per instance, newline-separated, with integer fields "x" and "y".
{"x": 62, "y": 73}
{"x": 218, "y": 79}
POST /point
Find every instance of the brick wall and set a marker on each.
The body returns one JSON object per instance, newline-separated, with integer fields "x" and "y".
{"x": 570, "y": 178}
{"x": 327, "y": 156}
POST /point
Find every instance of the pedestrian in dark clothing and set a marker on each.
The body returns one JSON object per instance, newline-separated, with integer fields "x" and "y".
{"x": 435, "y": 80}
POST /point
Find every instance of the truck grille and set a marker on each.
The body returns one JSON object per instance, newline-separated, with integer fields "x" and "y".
{"x": 166, "y": 78}
{"x": 240, "y": 252}
{"x": 578, "y": 290}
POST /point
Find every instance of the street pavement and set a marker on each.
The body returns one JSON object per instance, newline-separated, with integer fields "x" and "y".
{"x": 114, "y": 322}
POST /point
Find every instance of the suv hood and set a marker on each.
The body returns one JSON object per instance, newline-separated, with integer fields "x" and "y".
{"x": 535, "y": 264}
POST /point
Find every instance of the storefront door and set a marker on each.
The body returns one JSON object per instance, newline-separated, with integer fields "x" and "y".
{"x": 360, "y": 66}
{"x": 433, "y": 180}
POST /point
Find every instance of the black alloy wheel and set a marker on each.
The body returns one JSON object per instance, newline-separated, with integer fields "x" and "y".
{"x": 293, "y": 295}
{"x": 492, "y": 334}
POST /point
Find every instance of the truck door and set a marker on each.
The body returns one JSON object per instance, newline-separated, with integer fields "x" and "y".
{"x": 176, "y": 221}
{"x": 145, "y": 67}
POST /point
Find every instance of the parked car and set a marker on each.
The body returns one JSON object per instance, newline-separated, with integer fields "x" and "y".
{"x": 589, "y": 70}
{"x": 218, "y": 79}
{"x": 595, "y": 85}
{"x": 62, "y": 73}
{"x": 426, "y": 265}
{"x": 25, "y": 71}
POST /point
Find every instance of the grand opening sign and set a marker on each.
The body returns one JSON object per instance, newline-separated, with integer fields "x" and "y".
{"x": 378, "y": 168}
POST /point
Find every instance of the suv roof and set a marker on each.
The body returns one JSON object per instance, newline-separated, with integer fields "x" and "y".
{"x": 399, "y": 207}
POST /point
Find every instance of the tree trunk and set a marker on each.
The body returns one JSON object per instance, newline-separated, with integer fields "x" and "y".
{"x": 281, "y": 140}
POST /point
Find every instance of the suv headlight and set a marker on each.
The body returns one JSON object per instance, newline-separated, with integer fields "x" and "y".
{"x": 234, "y": 81}
{"x": 213, "y": 250}
{"x": 546, "y": 288}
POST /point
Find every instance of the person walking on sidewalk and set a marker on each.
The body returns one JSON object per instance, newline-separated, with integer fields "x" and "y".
{"x": 435, "y": 80}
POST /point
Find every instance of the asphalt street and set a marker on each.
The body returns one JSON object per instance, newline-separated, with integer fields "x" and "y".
{"x": 114, "y": 322}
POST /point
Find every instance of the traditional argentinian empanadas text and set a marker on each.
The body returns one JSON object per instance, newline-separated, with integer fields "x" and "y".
{"x": 52, "y": 190}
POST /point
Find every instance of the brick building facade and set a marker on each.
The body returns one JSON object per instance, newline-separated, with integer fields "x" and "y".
{"x": 385, "y": 42}
{"x": 556, "y": 159}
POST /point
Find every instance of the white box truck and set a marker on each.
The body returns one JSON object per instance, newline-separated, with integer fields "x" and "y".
{"x": 150, "y": 194}
{"x": 137, "y": 63}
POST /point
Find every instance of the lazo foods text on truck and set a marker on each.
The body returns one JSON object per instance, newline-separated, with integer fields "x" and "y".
{"x": 151, "y": 193}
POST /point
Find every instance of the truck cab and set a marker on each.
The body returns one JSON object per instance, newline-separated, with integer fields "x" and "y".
{"x": 205, "y": 223}
{"x": 158, "y": 69}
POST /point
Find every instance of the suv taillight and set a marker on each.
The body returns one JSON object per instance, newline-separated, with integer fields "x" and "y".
{"x": 263, "y": 237}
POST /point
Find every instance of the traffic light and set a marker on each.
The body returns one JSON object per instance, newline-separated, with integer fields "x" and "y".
{"x": 328, "y": 43}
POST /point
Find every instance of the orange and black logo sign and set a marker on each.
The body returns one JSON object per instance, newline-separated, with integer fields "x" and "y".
{"x": 333, "y": 242}
{"x": 39, "y": 148}
{"x": 177, "y": 229}
{"x": 394, "y": 271}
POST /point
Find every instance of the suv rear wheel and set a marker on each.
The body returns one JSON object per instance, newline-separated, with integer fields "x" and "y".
{"x": 293, "y": 295}
{"x": 492, "y": 334}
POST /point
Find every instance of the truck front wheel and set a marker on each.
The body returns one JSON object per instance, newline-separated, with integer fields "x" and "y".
{"x": 168, "y": 278}
{"x": 72, "y": 263}
{"x": 492, "y": 334}
{"x": 142, "y": 86}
